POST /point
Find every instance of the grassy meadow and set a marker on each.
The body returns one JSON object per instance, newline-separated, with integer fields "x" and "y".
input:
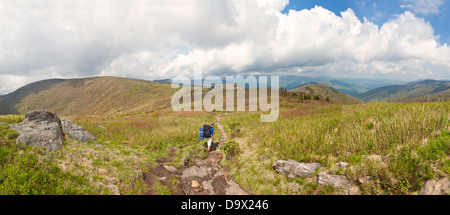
{"x": 391, "y": 148}
{"x": 127, "y": 146}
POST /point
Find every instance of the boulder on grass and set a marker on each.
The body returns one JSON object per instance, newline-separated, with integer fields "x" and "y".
{"x": 338, "y": 181}
{"x": 40, "y": 128}
{"x": 75, "y": 131}
{"x": 293, "y": 168}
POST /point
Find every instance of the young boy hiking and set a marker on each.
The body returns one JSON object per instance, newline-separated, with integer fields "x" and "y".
{"x": 208, "y": 131}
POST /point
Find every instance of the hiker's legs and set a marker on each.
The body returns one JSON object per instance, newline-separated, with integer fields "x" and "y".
{"x": 209, "y": 144}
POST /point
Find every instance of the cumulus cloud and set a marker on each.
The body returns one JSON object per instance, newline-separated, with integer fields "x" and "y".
{"x": 163, "y": 38}
{"x": 318, "y": 40}
{"x": 424, "y": 7}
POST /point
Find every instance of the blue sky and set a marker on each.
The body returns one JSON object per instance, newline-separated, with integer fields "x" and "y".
{"x": 379, "y": 12}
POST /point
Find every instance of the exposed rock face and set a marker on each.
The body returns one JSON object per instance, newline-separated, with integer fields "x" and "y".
{"x": 206, "y": 177}
{"x": 76, "y": 131}
{"x": 171, "y": 169}
{"x": 338, "y": 181}
{"x": 293, "y": 168}
{"x": 436, "y": 187}
{"x": 40, "y": 128}
{"x": 195, "y": 171}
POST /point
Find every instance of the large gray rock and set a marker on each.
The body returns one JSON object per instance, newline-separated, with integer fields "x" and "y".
{"x": 293, "y": 168}
{"x": 195, "y": 171}
{"x": 40, "y": 128}
{"x": 436, "y": 187}
{"x": 75, "y": 131}
{"x": 338, "y": 181}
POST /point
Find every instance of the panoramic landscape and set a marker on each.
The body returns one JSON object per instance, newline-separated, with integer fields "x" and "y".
{"x": 360, "y": 92}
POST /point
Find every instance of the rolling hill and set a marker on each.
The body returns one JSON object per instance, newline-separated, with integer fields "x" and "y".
{"x": 323, "y": 92}
{"x": 347, "y": 88}
{"x": 424, "y": 90}
{"x": 93, "y": 96}
{"x": 88, "y": 96}
{"x": 353, "y": 87}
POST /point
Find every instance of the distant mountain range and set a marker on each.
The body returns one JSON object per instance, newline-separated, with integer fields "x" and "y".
{"x": 353, "y": 87}
{"x": 112, "y": 95}
{"x": 423, "y": 90}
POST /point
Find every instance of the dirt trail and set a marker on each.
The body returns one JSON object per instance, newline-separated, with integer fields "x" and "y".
{"x": 205, "y": 177}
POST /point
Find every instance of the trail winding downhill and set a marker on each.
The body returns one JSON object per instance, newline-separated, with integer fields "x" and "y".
{"x": 204, "y": 177}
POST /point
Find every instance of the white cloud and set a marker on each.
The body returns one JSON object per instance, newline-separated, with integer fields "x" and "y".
{"x": 424, "y": 7}
{"x": 317, "y": 39}
{"x": 164, "y": 38}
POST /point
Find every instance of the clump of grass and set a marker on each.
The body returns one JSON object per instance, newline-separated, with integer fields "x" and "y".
{"x": 188, "y": 154}
{"x": 12, "y": 119}
{"x": 161, "y": 189}
{"x": 234, "y": 129}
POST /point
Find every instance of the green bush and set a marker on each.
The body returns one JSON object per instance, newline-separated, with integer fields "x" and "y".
{"x": 230, "y": 148}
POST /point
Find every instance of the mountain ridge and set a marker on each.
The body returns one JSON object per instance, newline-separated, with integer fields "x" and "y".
{"x": 416, "y": 90}
{"x": 323, "y": 92}
{"x": 93, "y": 95}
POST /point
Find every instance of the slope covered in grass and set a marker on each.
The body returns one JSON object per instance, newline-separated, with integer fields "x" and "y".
{"x": 88, "y": 96}
{"x": 426, "y": 90}
{"x": 325, "y": 93}
{"x": 398, "y": 146}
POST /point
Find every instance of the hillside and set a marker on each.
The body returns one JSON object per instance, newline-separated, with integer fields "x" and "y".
{"x": 314, "y": 91}
{"x": 425, "y": 90}
{"x": 98, "y": 95}
{"x": 347, "y": 88}
{"x": 94, "y": 96}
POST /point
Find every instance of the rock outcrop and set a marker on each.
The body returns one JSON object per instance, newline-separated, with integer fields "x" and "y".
{"x": 40, "y": 128}
{"x": 293, "y": 168}
{"x": 207, "y": 177}
{"x": 436, "y": 187}
{"x": 338, "y": 181}
{"x": 75, "y": 131}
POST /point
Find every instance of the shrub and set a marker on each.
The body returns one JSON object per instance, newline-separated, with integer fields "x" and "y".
{"x": 230, "y": 148}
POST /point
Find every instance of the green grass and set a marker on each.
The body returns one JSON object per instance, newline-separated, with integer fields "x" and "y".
{"x": 398, "y": 145}
{"x": 131, "y": 143}
{"x": 412, "y": 140}
{"x": 11, "y": 119}
{"x": 26, "y": 171}
{"x": 143, "y": 138}
{"x": 152, "y": 134}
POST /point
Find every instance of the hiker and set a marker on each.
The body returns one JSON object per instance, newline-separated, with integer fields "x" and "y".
{"x": 208, "y": 131}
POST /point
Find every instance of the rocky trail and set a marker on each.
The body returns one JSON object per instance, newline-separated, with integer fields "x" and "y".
{"x": 204, "y": 177}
